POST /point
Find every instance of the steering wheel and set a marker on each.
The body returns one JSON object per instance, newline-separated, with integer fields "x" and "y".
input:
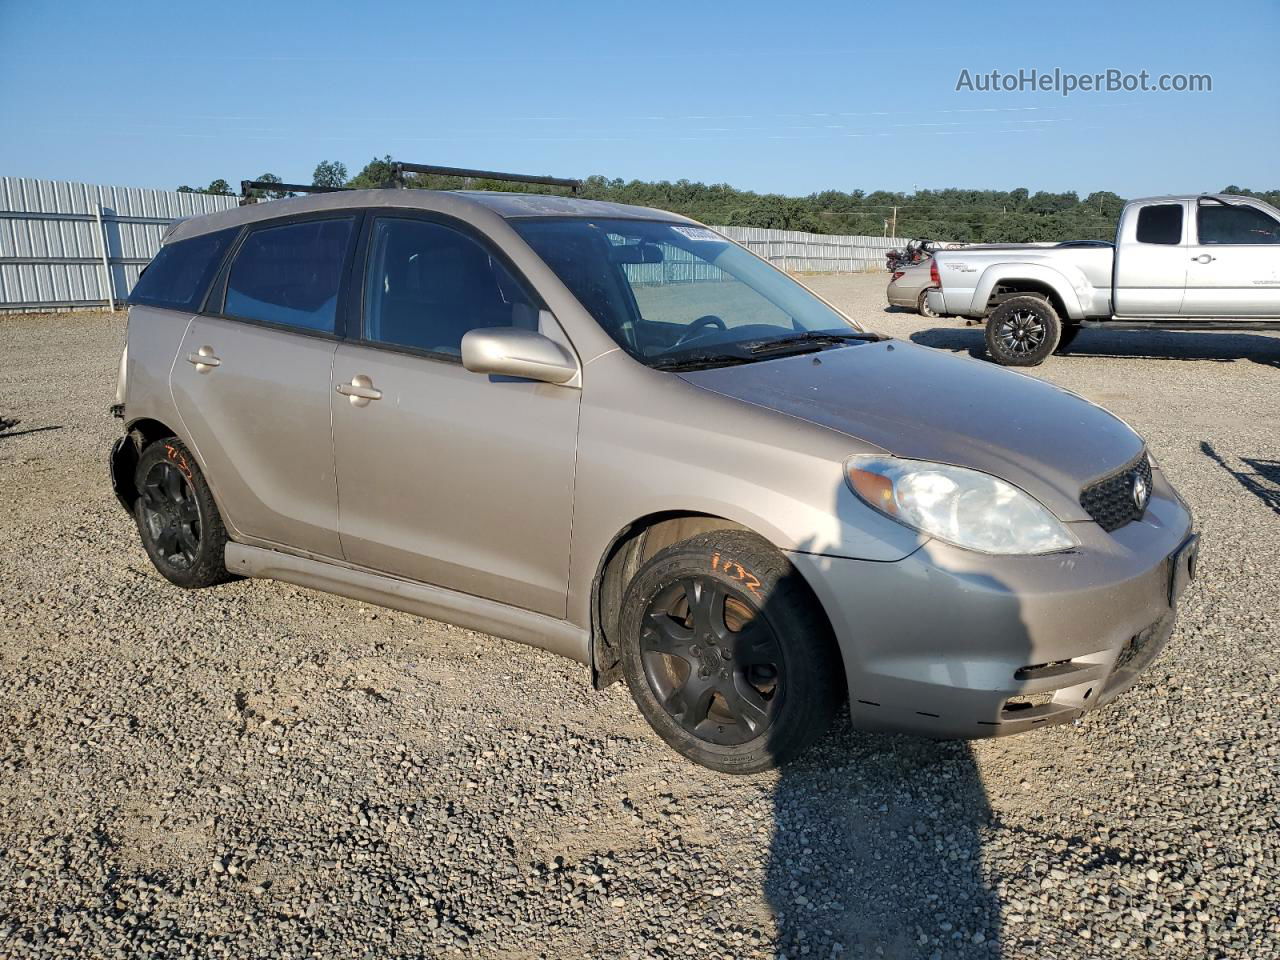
{"x": 709, "y": 320}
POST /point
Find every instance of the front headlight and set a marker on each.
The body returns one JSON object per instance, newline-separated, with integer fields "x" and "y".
{"x": 964, "y": 507}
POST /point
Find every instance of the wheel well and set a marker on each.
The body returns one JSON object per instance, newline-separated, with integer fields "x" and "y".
{"x": 124, "y": 457}
{"x": 630, "y": 549}
{"x": 1008, "y": 289}
{"x": 146, "y": 432}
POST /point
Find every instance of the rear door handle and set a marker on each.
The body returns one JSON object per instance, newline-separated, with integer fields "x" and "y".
{"x": 360, "y": 390}
{"x": 1204, "y": 258}
{"x": 204, "y": 359}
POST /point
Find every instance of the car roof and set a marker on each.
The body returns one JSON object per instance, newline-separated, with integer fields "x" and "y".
{"x": 466, "y": 204}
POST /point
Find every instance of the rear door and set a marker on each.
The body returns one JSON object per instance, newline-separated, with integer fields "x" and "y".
{"x": 1151, "y": 261}
{"x": 448, "y": 477}
{"x": 252, "y": 382}
{"x": 1233, "y": 263}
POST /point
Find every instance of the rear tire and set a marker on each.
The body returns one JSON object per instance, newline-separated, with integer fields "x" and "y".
{"x": 1023, "y": 331}
{"x": 922, "y": 306}
{"x": 178, "y": 521}
{"x": 728, "y": 654}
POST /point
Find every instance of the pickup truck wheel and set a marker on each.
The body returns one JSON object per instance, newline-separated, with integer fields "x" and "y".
{"x": 181, "y": 529}
{"x": 1023, "y": 332}
{"x": 922, "y": 306}
{"x": 727, "y": 653}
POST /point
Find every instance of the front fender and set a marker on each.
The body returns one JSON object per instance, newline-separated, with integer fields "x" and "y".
{"x": 1070, "y": 284}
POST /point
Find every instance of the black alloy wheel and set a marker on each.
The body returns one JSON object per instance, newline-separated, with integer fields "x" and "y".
{"x": 172, "y": 514}
{"x": 1023, "y": 331}
{"x": 177, "y": 518}
{"x": 712, "y": 661}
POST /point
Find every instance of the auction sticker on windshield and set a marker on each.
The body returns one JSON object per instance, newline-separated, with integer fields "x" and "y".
{"x": 699, "y": 233}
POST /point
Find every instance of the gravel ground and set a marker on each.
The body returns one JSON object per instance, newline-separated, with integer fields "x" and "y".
{"x": 260, "y": 770}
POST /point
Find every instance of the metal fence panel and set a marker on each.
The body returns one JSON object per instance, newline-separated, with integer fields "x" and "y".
{"x": 53, "y": 234}
{"x": 51, "y": 243}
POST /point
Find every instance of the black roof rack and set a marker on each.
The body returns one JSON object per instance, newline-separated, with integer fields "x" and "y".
{"x": 400, "y": 169}
{"x": 248, "y": 186}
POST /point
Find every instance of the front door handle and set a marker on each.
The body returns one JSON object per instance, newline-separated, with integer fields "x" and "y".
{"x": 204, "y": 359}
{"x": 1204, "y": 258}
{"x": 360, "y": 390}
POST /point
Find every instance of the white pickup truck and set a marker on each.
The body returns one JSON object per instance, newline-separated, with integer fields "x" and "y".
{"x": 1208, "y": 262}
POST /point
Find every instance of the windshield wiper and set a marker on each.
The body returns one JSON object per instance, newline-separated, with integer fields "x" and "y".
{"x": 700, "y": 361}
{"x": 816, "y": 338}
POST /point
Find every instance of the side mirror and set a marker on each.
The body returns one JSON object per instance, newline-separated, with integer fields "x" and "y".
{"x": 515, "y": 352}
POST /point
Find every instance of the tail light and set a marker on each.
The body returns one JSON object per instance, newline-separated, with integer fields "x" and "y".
{"x": 933, "y": 273}
{"x": 897, "y": 274}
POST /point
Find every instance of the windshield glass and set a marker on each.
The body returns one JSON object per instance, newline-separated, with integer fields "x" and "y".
{"x": 669, "y": 291}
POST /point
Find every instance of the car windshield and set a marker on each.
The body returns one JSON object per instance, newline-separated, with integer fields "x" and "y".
{"x": 679, "y": 294}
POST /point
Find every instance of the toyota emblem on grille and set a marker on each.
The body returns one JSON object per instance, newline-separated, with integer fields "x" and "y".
{"x": 1140, "y": 491}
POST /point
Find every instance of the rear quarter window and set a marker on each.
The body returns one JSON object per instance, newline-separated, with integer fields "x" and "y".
{"x": 178, "y": 276}
{"x": 1160, "y": 223}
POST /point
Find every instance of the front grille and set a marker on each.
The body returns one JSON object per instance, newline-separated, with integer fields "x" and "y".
{"x": 1110, "y": 501}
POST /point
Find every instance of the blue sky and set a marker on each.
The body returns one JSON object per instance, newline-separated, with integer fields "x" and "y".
{"x": 765, "y": 96}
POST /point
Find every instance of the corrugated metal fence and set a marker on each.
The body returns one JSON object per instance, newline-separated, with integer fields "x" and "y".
{"x": 77, "y": 244}
{"x": 814, "y": 252}
{"x": 81, "y": 245}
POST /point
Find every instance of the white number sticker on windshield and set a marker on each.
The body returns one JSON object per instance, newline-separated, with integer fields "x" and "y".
{"x": 698, "y": 233}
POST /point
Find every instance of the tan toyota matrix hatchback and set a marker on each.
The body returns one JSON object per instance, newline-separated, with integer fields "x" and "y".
{"x": 609, "y": 432}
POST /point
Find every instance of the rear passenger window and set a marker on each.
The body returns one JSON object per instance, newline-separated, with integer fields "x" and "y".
{"x": 428, "y": 285}
{"x": 180, "y": 273}
{"x": 290, "y": 275}
{"x": 1161, "y": 223}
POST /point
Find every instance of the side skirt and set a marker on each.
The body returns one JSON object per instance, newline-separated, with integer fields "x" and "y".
{"x": 436, "y": 603}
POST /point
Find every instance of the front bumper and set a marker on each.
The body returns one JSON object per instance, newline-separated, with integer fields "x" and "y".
{"x": 950, "y": 643}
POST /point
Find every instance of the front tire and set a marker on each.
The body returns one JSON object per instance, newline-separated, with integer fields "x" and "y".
{"x": 727, "y": 653}
{"x": 1023, "y": 332}
{"x": 178, "y": 521}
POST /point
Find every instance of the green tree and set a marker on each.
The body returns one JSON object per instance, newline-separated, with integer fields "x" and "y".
{"x": 329, "y": 173}
{"x": 376, "y": 173}
{"x": 266, "y": 193}
{"x": 219, "y": 187}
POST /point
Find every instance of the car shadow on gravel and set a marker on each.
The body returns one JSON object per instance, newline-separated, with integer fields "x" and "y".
{"x": 1260, "y": 477}
{"x": 1128, "y": 344}
{"x": 877, "y": 847}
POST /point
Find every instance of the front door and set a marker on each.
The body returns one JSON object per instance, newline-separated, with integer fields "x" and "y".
{"x": 1234, "y": 262}
{"x": 252, "y": 385}
{"x": 1151, "y": 262}
{"x": 447, "y": 477}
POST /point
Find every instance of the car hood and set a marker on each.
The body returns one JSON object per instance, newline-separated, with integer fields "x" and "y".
{"x": 923, "y": 404}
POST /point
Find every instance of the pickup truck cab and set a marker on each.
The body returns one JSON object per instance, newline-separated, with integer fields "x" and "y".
{"x": 1203, "y": 262}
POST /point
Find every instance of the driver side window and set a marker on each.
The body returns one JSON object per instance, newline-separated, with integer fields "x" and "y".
{"x": 1235, "y": 224}
{"x": 428, "y": 284}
